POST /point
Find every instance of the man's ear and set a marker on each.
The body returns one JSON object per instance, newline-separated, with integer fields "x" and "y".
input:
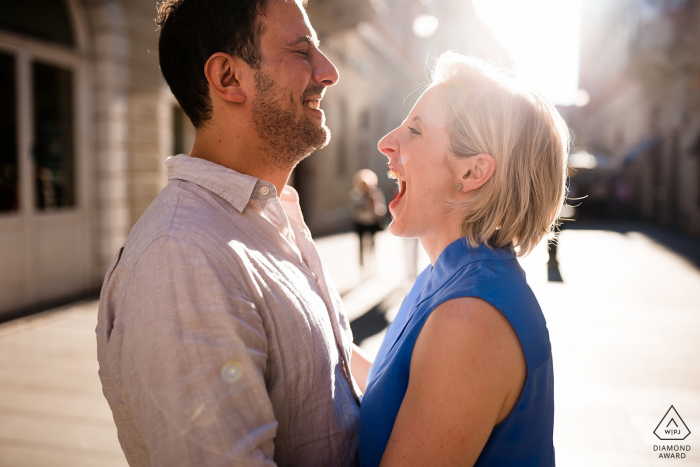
{"x": 223, "y": 73}
{"x": 473, "y": 172}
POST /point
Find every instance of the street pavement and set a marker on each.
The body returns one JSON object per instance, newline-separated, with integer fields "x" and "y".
{"x": 623, "y": 310}
{"x": 52, "y": 413}
{"x": 625, "y": 327}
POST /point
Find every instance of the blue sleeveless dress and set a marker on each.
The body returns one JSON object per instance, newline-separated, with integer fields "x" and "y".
{"x": 524, "y": 438}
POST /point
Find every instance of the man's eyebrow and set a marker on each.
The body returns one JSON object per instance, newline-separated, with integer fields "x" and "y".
{"x": 307, "y": 39}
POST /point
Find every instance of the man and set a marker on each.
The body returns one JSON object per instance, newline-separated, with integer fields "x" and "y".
{"x": 220, "y": 339}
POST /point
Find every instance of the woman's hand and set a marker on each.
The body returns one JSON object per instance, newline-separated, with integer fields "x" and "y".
{"x": 467, "y": 373}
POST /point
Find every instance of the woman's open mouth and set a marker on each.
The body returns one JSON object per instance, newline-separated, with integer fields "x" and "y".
{"x": 401, "y": 181}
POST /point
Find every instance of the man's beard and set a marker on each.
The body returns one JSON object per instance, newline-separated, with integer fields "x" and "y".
{"x": 289, "y": 137}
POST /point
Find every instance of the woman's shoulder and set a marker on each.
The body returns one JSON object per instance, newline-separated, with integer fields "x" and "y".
{"x": 503, "y": 286}
{"x": 467, "y": 316}
{"x": 487, "y": 276}
{"x": 458, "y": 339}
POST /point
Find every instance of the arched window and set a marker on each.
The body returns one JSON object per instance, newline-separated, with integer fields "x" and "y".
{"x": 43, "y": 19}
{"x": 37, "y": 107}
{"x": 46, "y": 213}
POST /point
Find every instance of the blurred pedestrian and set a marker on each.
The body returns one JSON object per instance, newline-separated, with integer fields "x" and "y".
{"x": 464, "y": 375}
{"x": 220, "y": 338}
{"x": 368, "y": 208}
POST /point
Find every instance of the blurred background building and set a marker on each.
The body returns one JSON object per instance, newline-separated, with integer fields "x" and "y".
{"x": 87, "y": 121}
{"x": 637, "y": 127}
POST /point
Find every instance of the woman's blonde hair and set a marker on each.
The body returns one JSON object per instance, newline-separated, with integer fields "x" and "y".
{"x": 489, "y": 112}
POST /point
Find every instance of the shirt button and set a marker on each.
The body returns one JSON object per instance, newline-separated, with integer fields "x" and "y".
{"x": 264, "y": 190}
{"x": 284, "y": 230}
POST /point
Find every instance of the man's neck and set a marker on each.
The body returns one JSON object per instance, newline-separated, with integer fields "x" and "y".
{"x": 244, "y": 155}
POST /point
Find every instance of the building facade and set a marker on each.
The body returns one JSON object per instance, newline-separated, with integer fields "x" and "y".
{"x": 84, "y": 133}
{"x": 640, "y": 63}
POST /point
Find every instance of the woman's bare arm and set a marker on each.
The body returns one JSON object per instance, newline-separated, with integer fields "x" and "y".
{"x": 467, "y": 372}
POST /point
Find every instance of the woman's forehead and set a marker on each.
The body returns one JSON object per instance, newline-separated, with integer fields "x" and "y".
{"x": 430, "y": 109}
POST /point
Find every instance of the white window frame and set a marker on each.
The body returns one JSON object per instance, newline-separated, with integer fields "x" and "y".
{"x": 29, "y": 220}
{"x": 27, "y": 50}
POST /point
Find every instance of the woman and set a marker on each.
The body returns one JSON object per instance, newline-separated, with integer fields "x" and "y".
{"x": 464, "y": 376}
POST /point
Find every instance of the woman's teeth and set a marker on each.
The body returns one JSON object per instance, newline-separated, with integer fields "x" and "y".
{"x": 313, "y": 104}
{"x": 401, "y": 180}
{"x": 395, "y": 175}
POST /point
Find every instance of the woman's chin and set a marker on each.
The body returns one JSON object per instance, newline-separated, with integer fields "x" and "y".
{"x": 398, "y": 226}
{"x": 392, "y": 228}
{"x": 396, "y": 229}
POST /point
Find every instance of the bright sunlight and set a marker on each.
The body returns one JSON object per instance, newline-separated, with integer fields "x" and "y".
{"x": 542, "y": 38}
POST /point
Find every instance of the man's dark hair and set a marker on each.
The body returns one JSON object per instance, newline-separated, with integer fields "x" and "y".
{"x": 191, "y": 31}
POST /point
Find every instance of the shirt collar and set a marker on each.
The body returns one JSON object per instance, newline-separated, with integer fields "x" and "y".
{"x": 234, "y": 187}
{"x": 455, "y": 257}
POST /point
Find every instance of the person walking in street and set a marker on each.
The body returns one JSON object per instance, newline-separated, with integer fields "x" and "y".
{"x": 464, "y": 375}
{"x": 368, "y": 208}
{"x": 220, "y": 338}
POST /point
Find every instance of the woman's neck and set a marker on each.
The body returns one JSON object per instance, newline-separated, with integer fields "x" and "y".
{"x": 435, "y": 241}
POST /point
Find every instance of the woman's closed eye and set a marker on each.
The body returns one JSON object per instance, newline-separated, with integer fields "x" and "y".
{"x": 413, "y": 131}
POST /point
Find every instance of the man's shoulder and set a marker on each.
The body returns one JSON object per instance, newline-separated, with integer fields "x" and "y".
{"x": 186, "y": 210}
{"x": 182, "y": 215}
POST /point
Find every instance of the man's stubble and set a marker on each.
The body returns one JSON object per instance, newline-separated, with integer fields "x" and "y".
{"x": 289, "y": 137}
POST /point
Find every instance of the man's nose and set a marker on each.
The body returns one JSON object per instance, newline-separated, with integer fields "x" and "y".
{"x": 324, "y": 71}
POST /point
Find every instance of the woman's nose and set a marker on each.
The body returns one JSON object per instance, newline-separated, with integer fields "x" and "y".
{"x": 388, "y": 145}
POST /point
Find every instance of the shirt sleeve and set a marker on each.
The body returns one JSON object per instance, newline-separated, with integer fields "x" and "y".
{"x": 193, "y": 360}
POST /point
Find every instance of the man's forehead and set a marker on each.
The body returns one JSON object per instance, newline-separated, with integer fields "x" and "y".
{"x": 287, "y": 21}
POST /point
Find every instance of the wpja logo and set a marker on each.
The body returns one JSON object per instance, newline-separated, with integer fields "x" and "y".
{"x": 672, "y": 428}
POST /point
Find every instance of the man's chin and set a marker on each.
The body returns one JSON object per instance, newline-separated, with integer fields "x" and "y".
{"x": 317, "y": 135}
{"x": 326, "y": 136}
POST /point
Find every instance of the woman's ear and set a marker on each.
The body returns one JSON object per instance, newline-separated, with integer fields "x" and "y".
{"x": 474, "y": 171}
{"x": 223, "y": 72}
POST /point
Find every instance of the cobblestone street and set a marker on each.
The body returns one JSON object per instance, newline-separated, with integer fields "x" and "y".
{"x": 624, "y": 322}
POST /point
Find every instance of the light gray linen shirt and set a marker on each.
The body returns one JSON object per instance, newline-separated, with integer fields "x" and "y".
{"x": 220, "y": 338}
